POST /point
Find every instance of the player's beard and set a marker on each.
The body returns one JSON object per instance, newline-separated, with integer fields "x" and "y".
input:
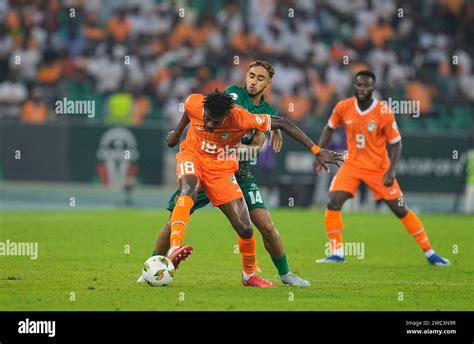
{"x": 363, "y": 97}
{"x": 255, "y": 94}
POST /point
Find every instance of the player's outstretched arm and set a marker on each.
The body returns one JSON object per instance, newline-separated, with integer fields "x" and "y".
{"x": 324, "y": 140}
{"x": 323, "y": 156}
{"x": 394, "y": 152}
{"x": 326, "y": 136}
{"x": 173, "y": 137}
{"x": 254, "y": 147}
{"x": 276, "y": 140}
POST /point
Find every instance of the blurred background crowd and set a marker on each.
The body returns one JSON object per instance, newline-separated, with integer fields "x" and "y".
{"x": 139, "y": 59}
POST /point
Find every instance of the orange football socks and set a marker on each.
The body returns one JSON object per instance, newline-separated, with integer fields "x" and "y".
{"x": 248, "y": 249}
{"x": 180, "y": 219}
{"x": 414, "y": 226}
{"x": 333, "y": 220}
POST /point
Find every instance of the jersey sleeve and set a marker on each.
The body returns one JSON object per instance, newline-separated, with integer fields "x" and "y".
{"x": 391, "y": 129}
{"x": 336, "y": 117}
{"x": 247, "y": 121}
{"x": 193, "y": 106}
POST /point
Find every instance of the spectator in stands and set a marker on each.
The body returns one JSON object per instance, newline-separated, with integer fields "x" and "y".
{"x": 119, "y": 26}
{"x": 6, "y": 47}
{"x": 24, "y": 60}
{"x": 108, "y": 69}
{"x": 13, "y": 93}
{"x": 380, "y": 32}
{"x": 34, "y": 110}
{"x": 417, "y": 90}
{"x": 92, "y": 31}
{"x": 324, "y": 93}
{"x": 141, "y": 107}
{"x": 412, "y": 55}
{"x": 296, "y": 105}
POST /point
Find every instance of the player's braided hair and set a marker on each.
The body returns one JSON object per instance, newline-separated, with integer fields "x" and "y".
{"x": 218, "y": 104}
{"x": 267, "y": 65}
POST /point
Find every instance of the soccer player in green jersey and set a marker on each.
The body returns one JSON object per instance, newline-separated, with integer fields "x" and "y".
{"x": 250, "y": 97}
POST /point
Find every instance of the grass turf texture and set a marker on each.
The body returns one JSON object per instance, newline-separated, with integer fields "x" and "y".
{"x": 84, "y": 252}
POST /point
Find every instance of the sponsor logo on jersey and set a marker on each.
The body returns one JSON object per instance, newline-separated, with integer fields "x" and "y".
{"x": 372, "y": 126}
{"x": 259, "y": 119}
{"x": 348, "y": 122}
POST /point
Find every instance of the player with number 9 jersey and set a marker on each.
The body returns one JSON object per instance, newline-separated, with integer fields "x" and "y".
{"x": 367, "y": 134}
{"x": 370, "y": 127}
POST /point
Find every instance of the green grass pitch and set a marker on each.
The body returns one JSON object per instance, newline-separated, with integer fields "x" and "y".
{"x": 84, "y": 252}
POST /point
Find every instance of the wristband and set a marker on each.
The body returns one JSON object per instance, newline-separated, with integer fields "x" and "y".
{"x": 315, "y": 149}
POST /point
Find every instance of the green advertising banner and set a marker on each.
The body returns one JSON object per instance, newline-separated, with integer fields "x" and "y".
{"x": 113, "y": 153}
{"x": 80, "y": 153}
{"x": 433, "y": 163}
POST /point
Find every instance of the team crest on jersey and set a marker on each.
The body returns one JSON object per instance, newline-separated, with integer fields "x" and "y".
{"x": 233, "y": 180}
{"x": 225, "y": 136}
{"x": 259, "y": 119}
{"x": 372, "y": 126}
{"x": 234, "y": 96}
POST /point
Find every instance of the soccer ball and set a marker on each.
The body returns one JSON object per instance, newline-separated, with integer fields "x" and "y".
{"x": 158, "y": 271}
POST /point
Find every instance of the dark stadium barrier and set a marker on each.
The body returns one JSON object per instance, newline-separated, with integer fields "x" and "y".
{"x": 433, "y": 163}
{"x": 430, "y": 163}
{"x": 31, "y": 152}
{"x": 53, "y": 152}
{"x": 81, "y": 153}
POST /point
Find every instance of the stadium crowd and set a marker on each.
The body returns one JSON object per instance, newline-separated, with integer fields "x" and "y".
{"x": 138, "y": 60}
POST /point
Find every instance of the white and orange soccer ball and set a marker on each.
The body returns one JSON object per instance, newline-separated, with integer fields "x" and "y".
{"x": 158, "y": 271}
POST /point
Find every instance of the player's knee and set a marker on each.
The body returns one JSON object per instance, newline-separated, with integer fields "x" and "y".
{"x": 190, "y": 189}
{"x": 400, "y": 212}
{"x": 267, "y": 229}
{"x": 244, "y": 231}
{"x": 334, "y": 203}
{"x": 398, "y": 208}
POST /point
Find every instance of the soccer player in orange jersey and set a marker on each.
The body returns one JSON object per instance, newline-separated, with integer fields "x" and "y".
{"x": 370, "y": 128}
{"x": 216, "y": 125}
{"x": 250, "y": 97}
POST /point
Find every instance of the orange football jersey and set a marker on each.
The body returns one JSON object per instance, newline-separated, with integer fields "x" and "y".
{"x": 367, "y": 132}
{"x": 211, "y": 146}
